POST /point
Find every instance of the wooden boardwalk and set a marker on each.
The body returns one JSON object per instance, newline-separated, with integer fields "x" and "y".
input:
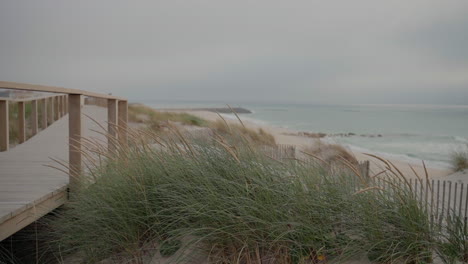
{"x": 28, "y": 188}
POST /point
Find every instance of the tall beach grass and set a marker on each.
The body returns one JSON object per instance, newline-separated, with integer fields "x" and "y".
{"x": 222, "y": 200}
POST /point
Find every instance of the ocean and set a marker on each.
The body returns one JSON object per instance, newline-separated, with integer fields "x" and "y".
{"x": 406, "y": 132}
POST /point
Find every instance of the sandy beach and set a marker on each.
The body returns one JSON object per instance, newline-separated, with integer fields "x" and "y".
{"x": 291, "y": 137}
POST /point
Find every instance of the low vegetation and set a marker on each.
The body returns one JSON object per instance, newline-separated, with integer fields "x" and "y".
{"x": 158, "y": 121}
{"x": 260, "y": 136}
{"x": 138, "y": 113}
{"x": 330, "y": 153}
{"x": 221, "y": 200}
{"x": 459, "y": 159}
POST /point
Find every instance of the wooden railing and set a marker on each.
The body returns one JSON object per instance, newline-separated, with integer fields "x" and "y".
{"x": 68, "y": 100}
{"x": 58, "y": 109}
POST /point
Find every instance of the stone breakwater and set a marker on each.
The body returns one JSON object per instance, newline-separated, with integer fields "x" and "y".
{"x": 227, "y": 110}
{"x": 221, "y": 110}
{"x": 322, "y": 135}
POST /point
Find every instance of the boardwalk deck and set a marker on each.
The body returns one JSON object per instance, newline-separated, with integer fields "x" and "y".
{"x": 28, "y": 189}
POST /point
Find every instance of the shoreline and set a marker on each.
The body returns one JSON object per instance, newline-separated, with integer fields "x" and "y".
{"x": 221, "y": 110}
{"x": 300, "y": 139}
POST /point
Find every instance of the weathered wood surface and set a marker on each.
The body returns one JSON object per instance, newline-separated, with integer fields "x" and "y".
{"x": 28, "y": 188}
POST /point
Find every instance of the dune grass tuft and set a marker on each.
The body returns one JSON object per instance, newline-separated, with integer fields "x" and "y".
{"x": 138, "y": 113}
{"x": 330, "y": 153}
{"x": 259, "y": 137}
{"x": 459, "y": 159}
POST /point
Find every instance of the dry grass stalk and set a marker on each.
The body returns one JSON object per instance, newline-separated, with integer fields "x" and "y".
{"x": 369, "y": 189}
{"x": 316, "y": 157}
{"x": 234, "y": 112}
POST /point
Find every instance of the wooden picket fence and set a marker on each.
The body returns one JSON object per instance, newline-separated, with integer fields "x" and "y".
{"x": 442, "y": 200}
{"x": 283, "y": 152}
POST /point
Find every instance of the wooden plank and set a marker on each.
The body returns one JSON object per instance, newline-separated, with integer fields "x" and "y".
{"x": 21, "y": 123}
{"x": 111, "y": 124}
{"x": 34, "y": 118}
{"x": 54, "y": 89}
{"x": 21, "y": 220}
{"x": 4, "y": 126}
{"x": 75, "y": 133}
{"x": 123, "y": 120}
{"x": 454, "y": 209}
{"x": 449, "y": 199}
{"x": 461, "y": 201}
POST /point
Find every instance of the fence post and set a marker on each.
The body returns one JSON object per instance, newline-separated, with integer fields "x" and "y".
{"x": 111, "y": 124}
{"x": 123, "y": 118}
{"x": 44, "y": 113}
{"x": 34, "y": 120}
{"x": 4, "y": 126}
{"x": 74, "y": 131}
{"x": 367, "y": 169}
{"x": 21, "y": 123}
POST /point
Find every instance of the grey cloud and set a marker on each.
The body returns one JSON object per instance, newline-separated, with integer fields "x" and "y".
{"x": 320, "y": 51}
{"x": 446, "y": 38}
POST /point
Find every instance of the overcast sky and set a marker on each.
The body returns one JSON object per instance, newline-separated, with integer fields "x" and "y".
{"x": 366, "y": 51}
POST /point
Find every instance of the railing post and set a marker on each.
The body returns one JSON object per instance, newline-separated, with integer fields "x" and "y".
{"x": 44, "y": 113}
{"x": 21, "y": 123}
{"x": 66, "y": 104}
{"x": 123, "y": 118}
{"x": 4, "y": 126}
{"x": 74, "y": 131}
{"x": 59, "y": 107}
{"x": 34, "y": 120}
{"x": 62, "y": 105}
{"x": 52, "y": 108}
{"x": 56, "y": 108}
{"x": 111, "y": 124}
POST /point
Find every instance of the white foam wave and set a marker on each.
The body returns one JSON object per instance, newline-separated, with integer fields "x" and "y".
{"x": 249, "y": 119}
{"x": 401, "y": 157}
{"x": 461, "y": 139}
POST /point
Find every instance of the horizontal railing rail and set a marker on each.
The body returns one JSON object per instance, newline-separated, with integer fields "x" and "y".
{"x": 54, "y": 89}
{"x": 29, "y": 99}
